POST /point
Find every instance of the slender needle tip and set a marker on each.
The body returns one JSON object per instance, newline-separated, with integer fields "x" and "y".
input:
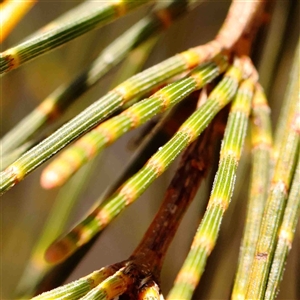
{"x": 50, "y": 179}
{"x": 57, "y": 252}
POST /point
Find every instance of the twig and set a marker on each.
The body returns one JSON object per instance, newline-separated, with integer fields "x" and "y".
{"x": 81, "y": 19}
{"x": 143, "y": 267}
{"x": 59, "y": 100}
{"x": 207, "y": 232}
{"x": 87, "y": 147}
{"x": 133, "y": 87}
{"x": 156, "y": 165}
{"x": 261, "y": 140}
{"x": 285, "y": 236}
{"x": 279, "y": 188}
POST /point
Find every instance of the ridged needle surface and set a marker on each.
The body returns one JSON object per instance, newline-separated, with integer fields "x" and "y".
{"x": 62, "y": 97}
{"x": 261, "y": 143}
{"x": 95, "y": 113}
{"x": 155, "y": 166}
{"x": 70, "y": 160}
{"x": 278, "y": 192}
{"x": 77, "y": 289}
{"x": 285, "y": 236}
{"x": 81, "y": 19}
{"x": 207, "y": 232}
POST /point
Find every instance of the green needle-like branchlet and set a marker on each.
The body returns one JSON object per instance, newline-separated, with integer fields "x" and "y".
{"x": 135, "y": 86}
{"x": 77, "y": 289}
{"x": 289, "y": 103}
{"x": 278, "y": 192}
{"x": 156, "y": 165}
{"x": 60, "y": 170}
{"x": 141, "y": 280}
{"x": 95, "y": 113}
{"x": 206, "y": 236}
{"x": 83, "y": 18}
{"x": 111, "y": 287}
{"x": 261, "y": 140}
{"x": 144, "y": 264}
{"x": 63, "y": 204}
{"x": 37, "y": 267}
{"x": 8, "y": 158}
{"x": 285, "y": 236}
{"x": 66, "y": 94}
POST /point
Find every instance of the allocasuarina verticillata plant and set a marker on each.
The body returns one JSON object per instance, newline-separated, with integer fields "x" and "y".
{"x": 204, "y": 105}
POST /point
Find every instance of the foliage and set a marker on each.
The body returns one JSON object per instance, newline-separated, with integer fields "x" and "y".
{"x": 196, "y": 105}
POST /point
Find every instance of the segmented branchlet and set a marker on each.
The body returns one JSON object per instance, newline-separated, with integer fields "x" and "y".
{"x": 95, "y": 113}
{"x": 207, "y": 232}
{"x": 107, "y": 132}
{"x": 278, "y": 193}
{"x": 114, "y": 286}
{"x": 155, "y": 166}
{"x": 288, "y": 105}
{"x": 261, "y": 143}
{"x": 285, "y": 236}
{"x": 66, "y": 94}
{"x": 159, "y": 135}
{"x": 67, "y": 198}
{"x": 291, "y": 214}
{"x": 240, "y": 18}
{"x": 135, "y": 86}
{"x": 90, "y": 15}
{"x": 11, "y": 13}
{"x": 37, "y": 267}
{"x": 87, "y": 16}
{"x": 78, "y": 288}
{"x": 105, "y": 284}
{"x": 146, "y": 261}
{"x": 9, "y": 158}
{"x": 153, "y": 140}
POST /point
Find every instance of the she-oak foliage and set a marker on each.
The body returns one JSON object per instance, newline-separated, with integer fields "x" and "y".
{"x": 201, "y": 105}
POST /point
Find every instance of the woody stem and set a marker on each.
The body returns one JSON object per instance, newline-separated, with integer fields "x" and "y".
{"x": 193, "y": 168}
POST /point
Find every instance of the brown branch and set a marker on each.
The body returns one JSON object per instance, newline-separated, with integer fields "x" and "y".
{"x": 240, "y": 26}
{"x": 142, "y": 269}
{"x": 194, "y": 166}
